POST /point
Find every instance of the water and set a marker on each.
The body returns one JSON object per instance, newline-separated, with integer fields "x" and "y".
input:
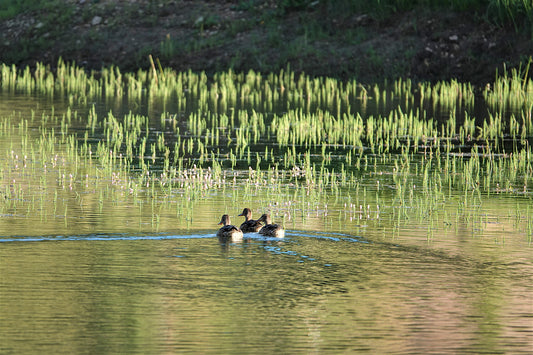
{"x": 307, "y": 293}
{"x": 94, "y": 262}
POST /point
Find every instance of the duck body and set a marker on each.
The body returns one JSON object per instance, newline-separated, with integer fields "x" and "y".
{"x": 273, "y": 230}
{"x": 249, "y": 225}
{"x": 228, "y": 231}
{"x": 270, "y": 229}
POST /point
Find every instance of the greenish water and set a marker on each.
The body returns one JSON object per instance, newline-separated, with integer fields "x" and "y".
{"x": 317, "y": 292}
{"x": 395, "y": 253}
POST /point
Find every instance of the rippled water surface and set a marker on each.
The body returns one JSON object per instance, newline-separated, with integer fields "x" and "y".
{"x": 385, "y": 254}
{"x": 306, "y": 293}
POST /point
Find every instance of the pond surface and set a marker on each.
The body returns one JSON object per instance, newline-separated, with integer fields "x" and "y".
{"x": 386, "y": 250}
{"x": 307, "y": 293}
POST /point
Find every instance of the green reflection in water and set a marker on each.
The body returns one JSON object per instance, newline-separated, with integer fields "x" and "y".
{"x": 299, "y": 294}
{"x": 405, "y": 232}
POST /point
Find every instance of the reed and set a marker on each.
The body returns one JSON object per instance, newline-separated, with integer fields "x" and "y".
{"x": 313, "y": 150}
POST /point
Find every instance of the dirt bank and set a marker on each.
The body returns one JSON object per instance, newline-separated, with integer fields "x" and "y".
{"x": 217, "y": 35}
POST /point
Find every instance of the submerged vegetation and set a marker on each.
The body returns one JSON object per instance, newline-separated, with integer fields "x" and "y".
{"x": 290, "y": 143}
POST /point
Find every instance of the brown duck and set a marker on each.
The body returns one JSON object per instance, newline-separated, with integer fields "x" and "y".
{"x": 269, "y": 229}
{"x": 249, "y": 225}
{"x": 227, "y": 230}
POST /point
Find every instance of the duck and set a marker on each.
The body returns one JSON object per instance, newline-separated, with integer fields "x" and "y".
{"x": 228, "y": 231}
{"x": 249, "y": 225}
{"x": 269, "y": 229}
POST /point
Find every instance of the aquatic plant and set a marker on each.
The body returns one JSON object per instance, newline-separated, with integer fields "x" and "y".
{"x": 302, "y": 144}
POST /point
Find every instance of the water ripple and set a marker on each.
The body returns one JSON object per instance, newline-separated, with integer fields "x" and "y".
{"x": 337, "y": 237}
{"x": 102, "y": 237}
{"x": 112, "y": 237}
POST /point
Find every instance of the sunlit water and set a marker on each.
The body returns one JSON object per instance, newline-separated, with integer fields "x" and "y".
{"x": 89, "y": 267}
{"x": 315, "y": 292}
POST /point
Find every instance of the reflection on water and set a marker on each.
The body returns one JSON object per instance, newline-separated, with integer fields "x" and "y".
{"x": 384, "y": 253}
{"x": 308, "y": 292}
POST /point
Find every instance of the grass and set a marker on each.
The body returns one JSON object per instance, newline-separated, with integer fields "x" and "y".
{"x": 299, "y": 144}
{"x": 312, "y": 40}
{"x": 11, "y": 8}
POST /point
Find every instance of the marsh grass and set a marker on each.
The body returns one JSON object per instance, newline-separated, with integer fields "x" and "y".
{"x": 301, "y": 146}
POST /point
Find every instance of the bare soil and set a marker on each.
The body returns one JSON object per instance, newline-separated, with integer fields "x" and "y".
{"x": 202, "y": 35}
